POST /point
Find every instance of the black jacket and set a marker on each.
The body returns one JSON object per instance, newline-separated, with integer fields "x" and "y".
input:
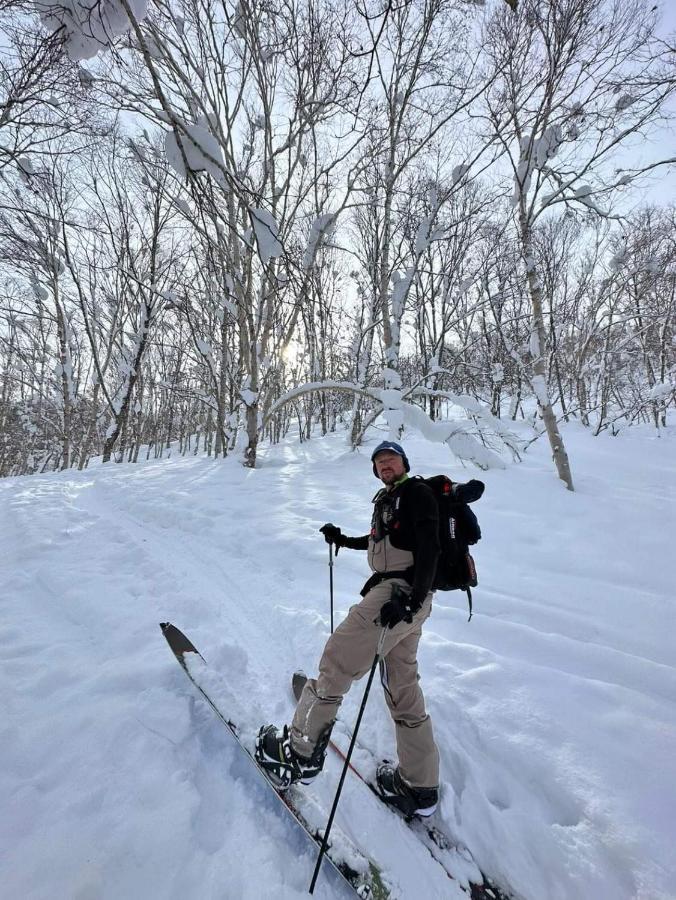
{"x": 413, "y": 525}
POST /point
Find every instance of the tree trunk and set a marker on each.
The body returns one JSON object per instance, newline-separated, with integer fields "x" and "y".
{"x": 539, "y": 379}
{"x": 221, "y": 439}
{"x": 66, "y": 378}
{"x": 252, "y": 435}
{"x": 123, "y": 412}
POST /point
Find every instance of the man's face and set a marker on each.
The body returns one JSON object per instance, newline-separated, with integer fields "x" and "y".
{"x": 389, "y": 466}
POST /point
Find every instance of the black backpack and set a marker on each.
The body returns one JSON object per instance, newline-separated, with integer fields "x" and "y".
{"x": 458, "y": 530}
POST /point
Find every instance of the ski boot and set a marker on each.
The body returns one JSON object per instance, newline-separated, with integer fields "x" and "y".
{"x": 410, "y": 801}
{"x": 280, "y": 762}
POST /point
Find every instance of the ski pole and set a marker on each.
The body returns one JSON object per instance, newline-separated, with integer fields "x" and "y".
{"x": 331, "y": 581}
{"x": 325, "y": 841}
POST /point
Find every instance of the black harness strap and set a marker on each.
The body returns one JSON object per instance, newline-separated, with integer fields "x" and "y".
{"x": 379, "y": 577}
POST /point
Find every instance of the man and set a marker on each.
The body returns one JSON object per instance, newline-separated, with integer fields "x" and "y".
{"x": 403, "y": 547}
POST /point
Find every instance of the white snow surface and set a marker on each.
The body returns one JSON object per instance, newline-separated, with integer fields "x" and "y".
{"x": 554, "y": 708}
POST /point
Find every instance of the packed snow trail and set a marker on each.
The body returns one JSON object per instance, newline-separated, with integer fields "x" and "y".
{"x": 554, "y": 709}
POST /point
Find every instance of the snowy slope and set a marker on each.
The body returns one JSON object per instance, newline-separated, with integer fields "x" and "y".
{"x": 555, "y": 708}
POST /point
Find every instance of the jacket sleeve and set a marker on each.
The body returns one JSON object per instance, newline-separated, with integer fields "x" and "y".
{"x": 356, "y": 543}
{"x": 425, "y": 516}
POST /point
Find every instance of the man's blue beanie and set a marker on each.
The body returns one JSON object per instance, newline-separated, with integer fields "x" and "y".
{"x": 395, "y": 448}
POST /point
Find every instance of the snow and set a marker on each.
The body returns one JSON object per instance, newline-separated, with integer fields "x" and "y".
{"x": 540, "y": 387}
{"x": 401, "y": 282}
{"x": 547, "y": 146}
{"x": 89, "y": 25}
{"x": 392, "y": 381}
{"x": 590, "y": 204}
{"x": 267, "y": 234}
{"x": 422, "y": 237}
{"x": 453, "y": 432}
{"x": 391, "y": 398}
{"x": 554, "y": 709}
{"x": 459, "y": 172}
{"x": 201, "y": 148}
{"x": 320, "y": 233}
{"x": 624, "y": 102}
{"x": 248, "y": 396}
{"x": 618, "y": 260}
{"x": 39, "y": 290}
{"x": 662, "y": 390}
{"x": 25, "y": 165}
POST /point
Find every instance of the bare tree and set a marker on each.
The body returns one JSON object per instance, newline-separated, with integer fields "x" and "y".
{"x": 43, "y": 95}
{"x": 570, "y": 90}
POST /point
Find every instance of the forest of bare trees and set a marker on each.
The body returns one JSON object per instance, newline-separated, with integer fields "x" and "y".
{"x": 221, "y": 220}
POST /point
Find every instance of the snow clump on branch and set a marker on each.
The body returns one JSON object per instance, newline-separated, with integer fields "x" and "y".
{"x": 320, "y": 233}
{"x": 267, "y": 234}
{"x": 534, "y": 153}
{"x": 201, "y": 150}
{"x": 88, "y": 25}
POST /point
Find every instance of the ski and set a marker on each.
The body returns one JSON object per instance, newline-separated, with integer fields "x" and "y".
{"x": 449, "y": 854}
{"x": 361, "y": 876}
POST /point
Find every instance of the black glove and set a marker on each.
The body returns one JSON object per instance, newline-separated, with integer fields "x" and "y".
{"x": 333, "y": 535}
{"x": 468, "y": 492}
{"x": 401, "y": 607}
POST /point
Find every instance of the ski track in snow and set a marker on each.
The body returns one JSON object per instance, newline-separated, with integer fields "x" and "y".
{"x": 554, "y": 709}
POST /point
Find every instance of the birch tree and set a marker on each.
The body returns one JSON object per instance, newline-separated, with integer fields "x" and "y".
{"x": 29, "y": 245}
{"x": 570, "y": 91}
{"x": 249, "y": 97}
{"x": 423, "y": 82}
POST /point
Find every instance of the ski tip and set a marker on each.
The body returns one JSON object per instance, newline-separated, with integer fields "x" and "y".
{"x": 178, "y": 642}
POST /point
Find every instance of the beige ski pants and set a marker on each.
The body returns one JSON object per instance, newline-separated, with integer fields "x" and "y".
{"x": 348, "y": 656}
